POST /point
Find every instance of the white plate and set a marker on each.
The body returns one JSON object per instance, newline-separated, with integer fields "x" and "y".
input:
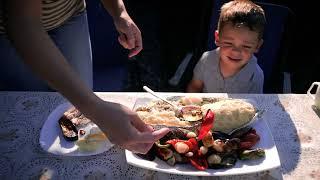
{"x": 266, "y": 142}
{"x": 52, "y": 140}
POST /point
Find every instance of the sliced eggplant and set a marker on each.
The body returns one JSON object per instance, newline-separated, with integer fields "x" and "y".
{"x": 171, "y": 161}
{"x": 150, "y": 155}
{"x": 68, "y": 130}
{"x": 159, "y": 145}
{"x": 252, "y": 154}
{"x": 164, "y": 153}
{"x": 220, "y": 135}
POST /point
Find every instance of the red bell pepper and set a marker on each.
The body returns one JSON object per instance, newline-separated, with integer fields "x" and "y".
{"x": 199, "y": 162}
{"x": 206, "y": 125}
{"x": 192, "y": 143}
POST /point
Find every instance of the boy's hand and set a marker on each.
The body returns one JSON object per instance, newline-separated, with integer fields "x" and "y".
{"x": 195, "y": 86}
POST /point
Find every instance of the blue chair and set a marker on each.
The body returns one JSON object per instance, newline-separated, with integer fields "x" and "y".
{"x": 273, "y": 54}
{"x": 109, "y": 58}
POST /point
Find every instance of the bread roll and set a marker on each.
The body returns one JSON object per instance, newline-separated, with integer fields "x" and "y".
{"x": 230, "y": 114}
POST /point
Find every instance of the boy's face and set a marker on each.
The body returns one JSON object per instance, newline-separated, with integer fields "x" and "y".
{"x": 237, "y": 45}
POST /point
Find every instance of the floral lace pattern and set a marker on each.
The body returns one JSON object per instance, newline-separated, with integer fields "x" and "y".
{"x": 294, "y": 125}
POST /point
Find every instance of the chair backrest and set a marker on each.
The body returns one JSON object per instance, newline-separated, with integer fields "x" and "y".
{"x": 272, "y": 56}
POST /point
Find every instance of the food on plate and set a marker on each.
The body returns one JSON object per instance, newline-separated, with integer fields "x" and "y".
{"x": 76, "y": 127}
{"x": 159, "y": 113}
{"x": 92, "y": 141}
{"x": 68, "y": 130}
{"x": 167, "y": 118}
{"x": 217, "y": 150}
{"x": 230, "y": 114}
{"x": 219, "y": 140}
{"x": 71, "y": 123}
{"x": 191, "y": 113}
{"x": 252, "y": 154}
{"x": 187, "y": 100}
{"x": 76, "y": 117}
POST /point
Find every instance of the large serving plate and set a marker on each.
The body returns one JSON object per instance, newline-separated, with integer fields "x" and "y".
{"x": 52, "y": 140}
{"x": 266, "y": 142}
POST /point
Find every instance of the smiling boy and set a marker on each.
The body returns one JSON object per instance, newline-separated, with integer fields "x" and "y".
{"x": 232, "y": 67}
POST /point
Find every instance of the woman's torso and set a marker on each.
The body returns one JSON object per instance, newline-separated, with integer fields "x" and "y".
{"x": 54, "y": 12}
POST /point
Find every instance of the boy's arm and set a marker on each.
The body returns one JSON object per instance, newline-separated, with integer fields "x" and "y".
{"x": 195, "y": 86}
{"x": 257, "y": 84}
{"x": 130, "y": 35}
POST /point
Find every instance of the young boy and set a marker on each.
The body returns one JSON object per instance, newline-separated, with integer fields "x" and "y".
{"x": 232, "y": 67}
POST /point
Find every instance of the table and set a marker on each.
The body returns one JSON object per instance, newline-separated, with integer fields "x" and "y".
{"x": 294, "y": 124}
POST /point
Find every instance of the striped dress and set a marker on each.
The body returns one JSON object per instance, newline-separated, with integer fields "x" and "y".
{"x": 54, "y": 12}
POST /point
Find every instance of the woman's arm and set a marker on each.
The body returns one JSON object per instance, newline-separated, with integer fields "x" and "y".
{"x": 129, "y": 33}
{"x": 38, "y": 51}
{"x": 116, "y": 8}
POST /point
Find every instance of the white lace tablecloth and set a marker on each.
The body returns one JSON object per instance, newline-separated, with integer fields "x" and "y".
{"x": 294, "y": 124}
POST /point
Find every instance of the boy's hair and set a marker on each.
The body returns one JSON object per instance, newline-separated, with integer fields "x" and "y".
{"x": 243, "y": 13}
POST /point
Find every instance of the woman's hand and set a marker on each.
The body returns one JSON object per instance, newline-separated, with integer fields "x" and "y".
{"x": 130, "y": 35}
{"x": 123, "y": 126}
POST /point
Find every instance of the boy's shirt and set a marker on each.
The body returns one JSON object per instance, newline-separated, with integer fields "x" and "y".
{"x": 248, "y": 80}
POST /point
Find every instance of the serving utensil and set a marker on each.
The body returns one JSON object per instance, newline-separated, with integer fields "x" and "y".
{"x": 146, "y": 88}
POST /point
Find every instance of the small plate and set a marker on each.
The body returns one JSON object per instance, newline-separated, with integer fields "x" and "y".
{"x": 52, "y": 140}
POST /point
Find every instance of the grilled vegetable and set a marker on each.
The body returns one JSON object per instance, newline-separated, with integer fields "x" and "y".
{"x": 150, "y": 155}
{"x": 180, "y": 158}
{"x": 208, "y": 140}
{"x": 252, "y": 154}
{"x": 229, "y": 161}
{"x": 218, "y": 162}
{"x": 220, "y": 135}
{"x": 231, "y": 144}
{"x": 159, "y": 145}
{"x": 164, "y": 153}
{"x": 249, "y": 140}
{"x": 214, "y": 159}
{"x": 206, "y": 125}
{"x": 183, "y": 146}
{"x": 68, "y": 130}
{"x": 199, "y": 162}
{"x": 171, "y": 161}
